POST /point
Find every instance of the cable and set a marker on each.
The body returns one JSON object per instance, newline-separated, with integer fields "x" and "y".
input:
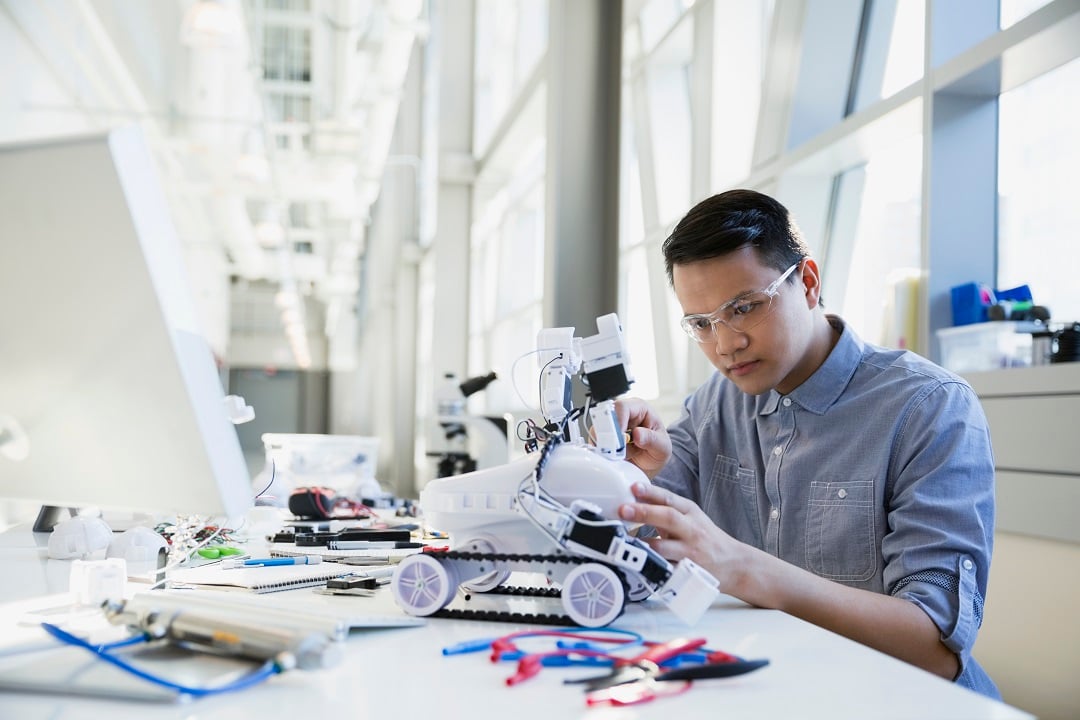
{"x": 273, "y": 473}
{"x": 269, "y": 668}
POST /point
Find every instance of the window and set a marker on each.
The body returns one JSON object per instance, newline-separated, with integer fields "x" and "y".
{"x": 506, "y": 285}
{"x": 511, "y": 37}
{"x": 878, "y": 273}
{"x": 1038, "y": 216}
{"x": 1013, "y": 11}
{"x": 667, "y": 77}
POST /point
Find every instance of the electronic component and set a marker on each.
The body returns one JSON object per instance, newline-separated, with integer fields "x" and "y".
{"x": 227, "y": 632}
{"x": 323, "y": 539}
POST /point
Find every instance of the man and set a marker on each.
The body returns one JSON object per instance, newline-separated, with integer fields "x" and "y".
{"x": 844, "y": 483}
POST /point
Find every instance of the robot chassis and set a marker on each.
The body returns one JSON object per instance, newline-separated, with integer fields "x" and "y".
{"x": 549, "y": 512}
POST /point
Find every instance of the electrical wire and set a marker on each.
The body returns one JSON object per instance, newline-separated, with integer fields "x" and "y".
{"x": 273, "y": 473}
{"x": 268, "y": 669}
{"x": 164, "y": 572}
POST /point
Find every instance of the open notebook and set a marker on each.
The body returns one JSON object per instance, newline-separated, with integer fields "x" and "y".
{"x": 265, "y": 579}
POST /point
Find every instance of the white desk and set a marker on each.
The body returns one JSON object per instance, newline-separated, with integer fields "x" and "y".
{"x": 394, "y": 673}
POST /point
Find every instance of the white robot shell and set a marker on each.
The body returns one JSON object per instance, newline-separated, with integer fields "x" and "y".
{"x": 482, "y": 504}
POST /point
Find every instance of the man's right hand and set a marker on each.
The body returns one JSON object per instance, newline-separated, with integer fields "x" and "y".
{"x": 650, "y": 445}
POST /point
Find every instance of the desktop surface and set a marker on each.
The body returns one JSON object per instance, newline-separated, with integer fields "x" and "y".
{"x": 401, "y": 672}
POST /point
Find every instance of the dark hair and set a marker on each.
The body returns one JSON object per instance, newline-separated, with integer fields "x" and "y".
{"x": 733, "y": 220}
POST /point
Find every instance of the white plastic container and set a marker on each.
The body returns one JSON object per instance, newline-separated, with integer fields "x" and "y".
{"x": 344, "y": 463}
{"x": 986, "y": 346}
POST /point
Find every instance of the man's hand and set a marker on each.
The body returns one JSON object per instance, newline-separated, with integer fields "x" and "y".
{"x": 685, "y": 531}
{"x": 650, "y": 446}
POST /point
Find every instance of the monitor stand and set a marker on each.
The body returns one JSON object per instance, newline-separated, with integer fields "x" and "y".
{"x": 50, "y": 515}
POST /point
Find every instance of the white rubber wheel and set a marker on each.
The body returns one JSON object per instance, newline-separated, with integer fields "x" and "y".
{"x": 493, "y": 579}
{"x": 593, "y": 595}
{"x": 422, "y": 585}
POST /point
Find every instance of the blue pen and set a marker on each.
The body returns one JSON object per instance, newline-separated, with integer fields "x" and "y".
{"x": 265, "y": 562}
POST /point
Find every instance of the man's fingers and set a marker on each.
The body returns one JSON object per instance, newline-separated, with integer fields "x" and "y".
{"x": 666, "y": 518}
{"x": 648, "y": 493}
{"x": 660, "y": 516}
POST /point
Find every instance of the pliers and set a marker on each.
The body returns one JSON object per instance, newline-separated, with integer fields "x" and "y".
{"x": 644, "y": 670}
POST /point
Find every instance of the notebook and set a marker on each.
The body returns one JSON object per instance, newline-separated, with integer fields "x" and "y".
{"x": 264, "y": 579}
{"x": 388, "y": 555}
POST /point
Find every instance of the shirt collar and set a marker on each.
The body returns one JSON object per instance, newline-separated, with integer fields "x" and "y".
{"x": 819, "y": 391}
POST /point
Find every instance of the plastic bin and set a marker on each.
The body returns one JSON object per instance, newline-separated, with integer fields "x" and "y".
{"x": 986, "y": 346}
{"x": 344, "y": 463}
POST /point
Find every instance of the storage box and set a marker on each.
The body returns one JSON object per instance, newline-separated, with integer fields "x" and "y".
{"x": 986, "y": 346}
{"x": 344, "y": 463}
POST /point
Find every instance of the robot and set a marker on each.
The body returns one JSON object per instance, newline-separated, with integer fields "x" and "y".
{"x": 551, "y": 512}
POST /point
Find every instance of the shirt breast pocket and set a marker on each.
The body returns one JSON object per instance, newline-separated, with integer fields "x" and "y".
{"x": 730, "y": 499}
{"x": 840, "y": 530}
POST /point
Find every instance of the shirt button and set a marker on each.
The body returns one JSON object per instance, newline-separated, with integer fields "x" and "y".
{"x": 777, "y": 450}
{"x": 787, "y": 402}
{"x": 841, "y": 493}
{"x": 774, "y": 513}
{"x": 968, "y": 564}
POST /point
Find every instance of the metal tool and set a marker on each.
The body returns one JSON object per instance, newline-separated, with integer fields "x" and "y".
{"x": 641, "y": 666}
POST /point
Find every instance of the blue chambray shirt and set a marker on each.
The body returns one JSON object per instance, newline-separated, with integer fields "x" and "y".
{"x": 876, "y": 472}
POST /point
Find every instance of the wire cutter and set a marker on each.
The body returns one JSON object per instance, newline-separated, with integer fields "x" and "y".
{"x": 647, "y": 666}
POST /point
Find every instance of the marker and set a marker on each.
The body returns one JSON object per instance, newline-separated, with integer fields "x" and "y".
{"x": 265, "y": 562}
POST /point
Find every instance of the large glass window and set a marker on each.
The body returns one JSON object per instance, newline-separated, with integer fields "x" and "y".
{"x": 506, "y": 285}
{"x": 1013, "y": 11}
{"x": 511, "y": 37}
{"x": 892, "y": 51}
{"x": 740, "y": 42}
{"x": 658, "y": 17}
{"x": 904, "y": 62}
{"x": 877, "y": 288}
{"x": 668, "y": 91}
{"x": 1038, "y": 216}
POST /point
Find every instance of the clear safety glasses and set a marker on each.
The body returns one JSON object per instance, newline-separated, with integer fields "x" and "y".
{"x": 741, "y": 314}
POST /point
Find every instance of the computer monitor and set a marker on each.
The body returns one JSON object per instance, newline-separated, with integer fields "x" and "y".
{"x": 109, "y": 395}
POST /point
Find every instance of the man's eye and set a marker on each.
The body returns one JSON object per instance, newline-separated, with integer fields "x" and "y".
{"x": 745, "y": 308}
{"x": 699, "y": 323}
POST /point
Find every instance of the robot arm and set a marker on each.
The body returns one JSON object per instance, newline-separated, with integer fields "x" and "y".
{"x": 607, "y": 370}
{"x": 605, "y": 363}
{"x": 560, "y": 360}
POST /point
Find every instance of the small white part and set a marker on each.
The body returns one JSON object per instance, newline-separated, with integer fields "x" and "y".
{"x": 95, "y": 581}
{"x": 80, "y": 538}
{"x": 689, "y": 591}
{"x": 239, "y": 411}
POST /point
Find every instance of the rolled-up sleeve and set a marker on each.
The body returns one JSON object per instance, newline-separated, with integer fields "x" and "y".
{"x": 941, "y": 520}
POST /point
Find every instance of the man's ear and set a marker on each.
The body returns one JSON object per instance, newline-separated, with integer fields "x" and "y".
{"x": 811, "y": 282}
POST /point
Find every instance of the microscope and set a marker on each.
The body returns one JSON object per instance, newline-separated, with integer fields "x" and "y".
{"x": 464, "y": 442}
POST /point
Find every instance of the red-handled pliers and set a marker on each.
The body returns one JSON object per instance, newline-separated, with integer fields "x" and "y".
{"x": 640, "y": 667}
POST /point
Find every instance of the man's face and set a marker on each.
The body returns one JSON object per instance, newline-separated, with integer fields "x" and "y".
{"x": 776, "y": 353}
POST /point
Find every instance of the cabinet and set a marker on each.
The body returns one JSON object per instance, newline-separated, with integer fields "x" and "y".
{"x": 1034, "y": 416}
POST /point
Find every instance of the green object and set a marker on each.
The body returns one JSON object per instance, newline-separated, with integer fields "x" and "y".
{"x": 218, "y": 551}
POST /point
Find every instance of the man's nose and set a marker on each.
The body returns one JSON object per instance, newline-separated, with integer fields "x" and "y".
{"x": 728, "y": 340}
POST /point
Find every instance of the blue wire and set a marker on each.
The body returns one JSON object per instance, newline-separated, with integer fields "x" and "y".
{"x": 479, "y": 644}
{"x": 102, "y": 651}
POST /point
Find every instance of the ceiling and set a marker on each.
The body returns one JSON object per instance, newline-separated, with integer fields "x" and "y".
{"x": 271, "y": 121}
{"x": 309, "y": 103}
